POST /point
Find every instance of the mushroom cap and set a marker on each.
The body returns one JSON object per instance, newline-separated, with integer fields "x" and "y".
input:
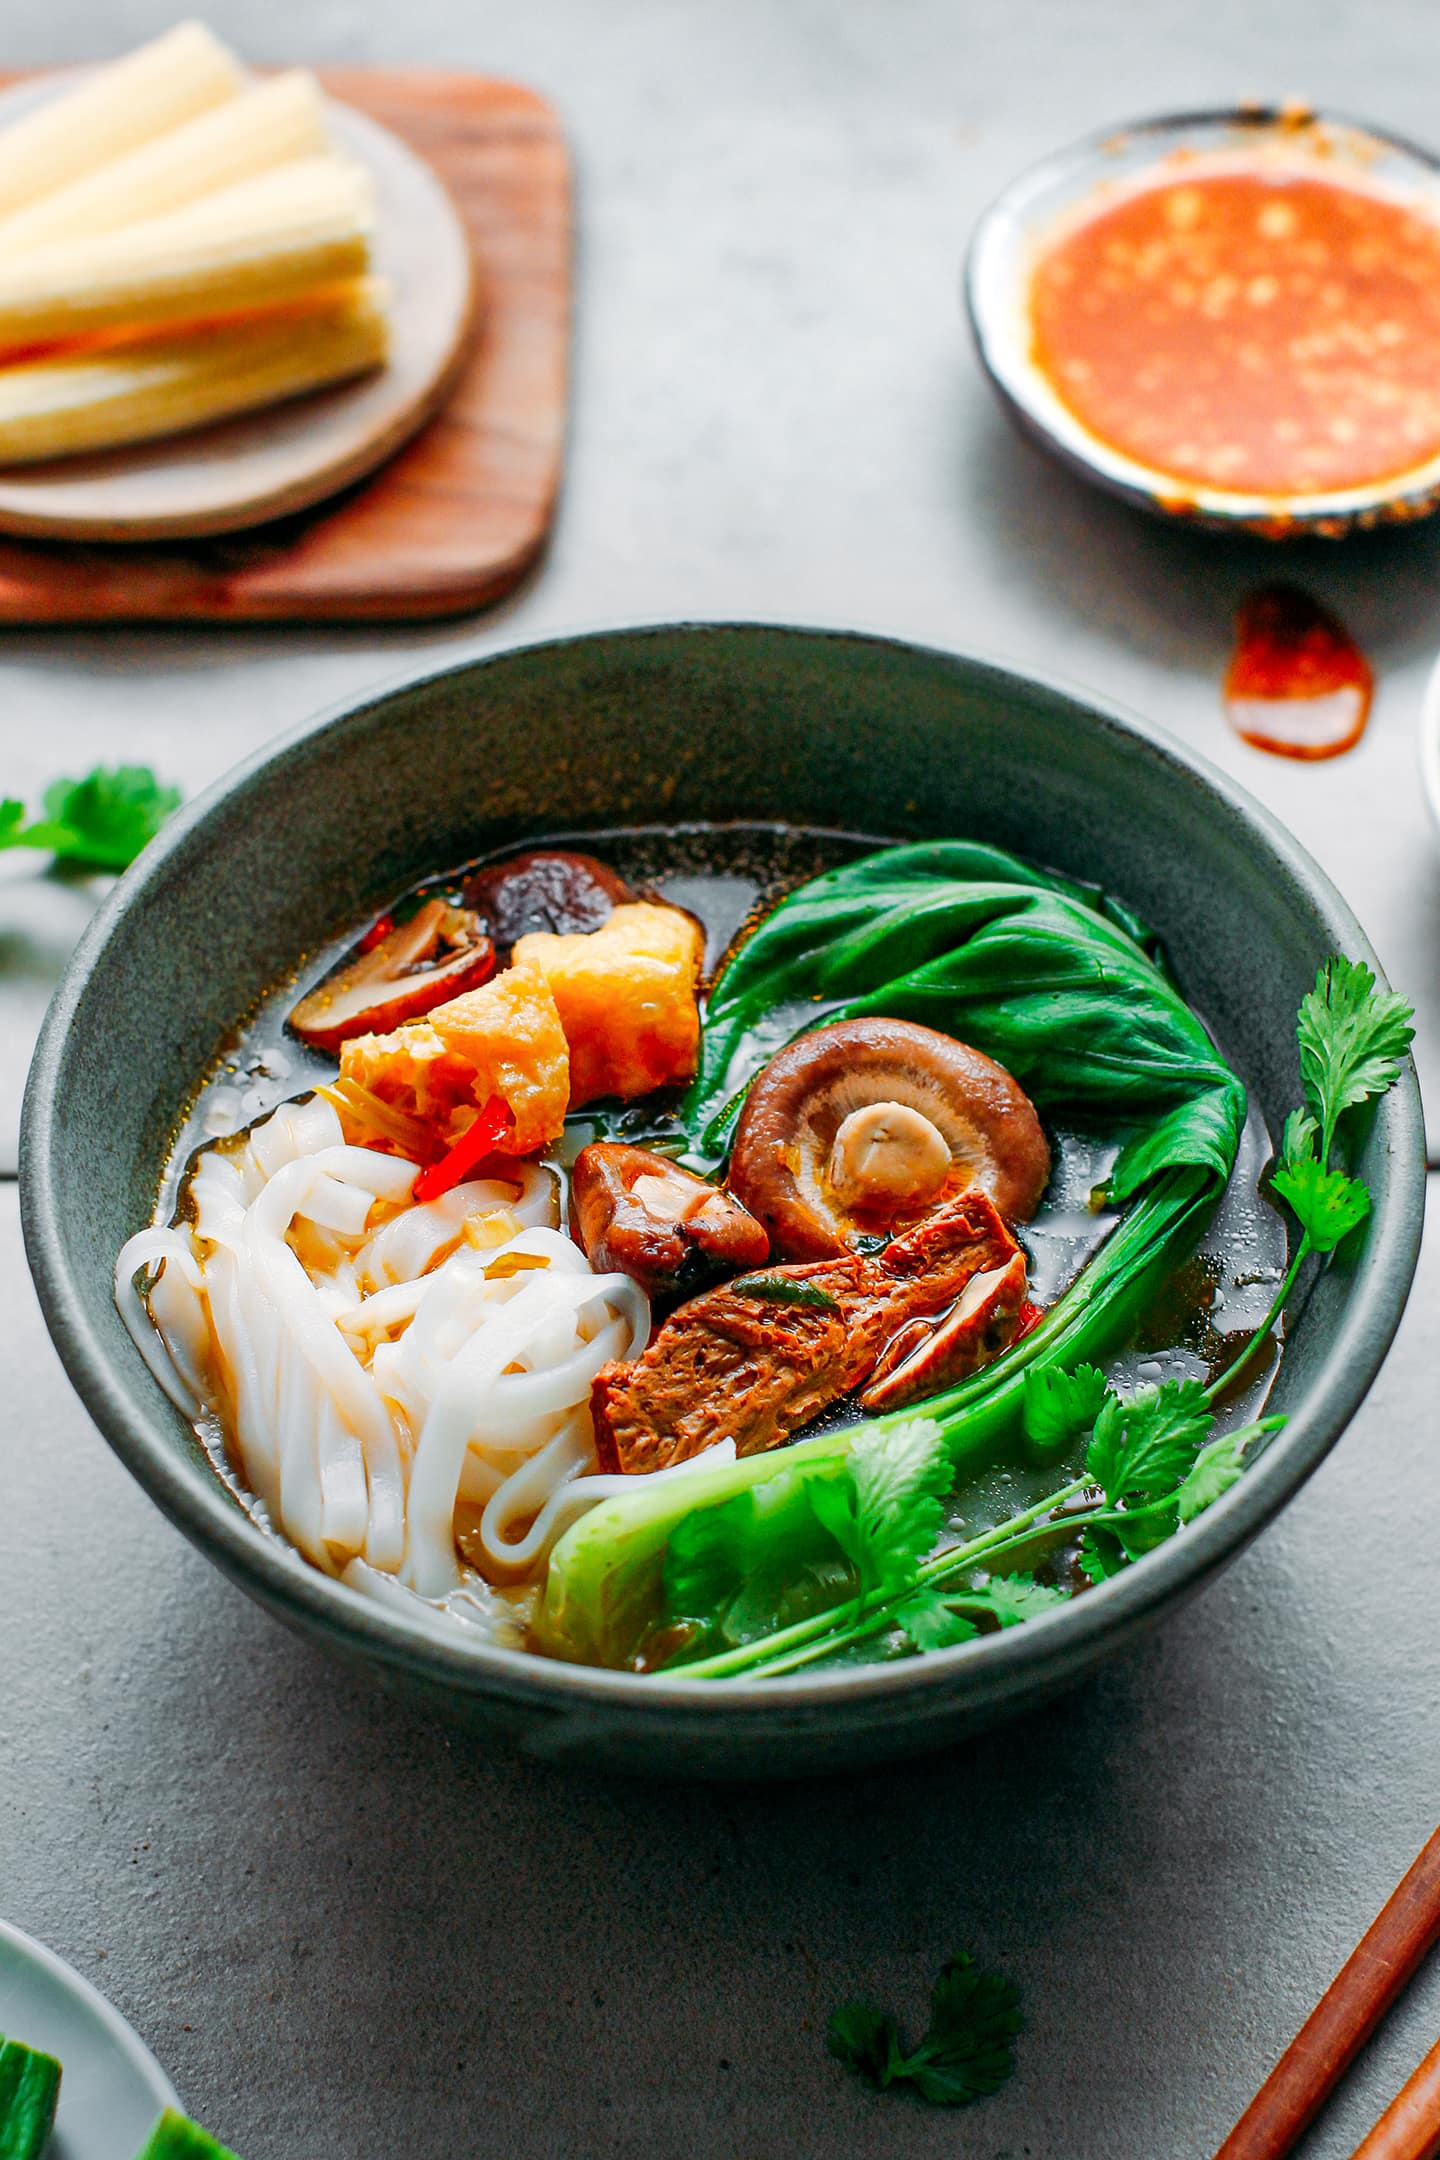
{"x": 552, "y": 889}
{"x": 796, "y": 1105}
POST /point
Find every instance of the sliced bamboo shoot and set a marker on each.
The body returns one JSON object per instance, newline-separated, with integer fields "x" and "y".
{"x": 164, "y": 83}
{"x": 268, "y": 240}
{"x": 97, "y": 400}
{"x": 265, "y": 126}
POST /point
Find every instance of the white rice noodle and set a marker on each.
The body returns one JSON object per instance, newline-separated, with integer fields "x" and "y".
{"x": 377, "y": 1363}
{"x": 178, "y": 1304}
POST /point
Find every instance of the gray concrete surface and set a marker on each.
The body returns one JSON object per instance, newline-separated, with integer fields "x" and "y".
{"x": 345, "y": 1933}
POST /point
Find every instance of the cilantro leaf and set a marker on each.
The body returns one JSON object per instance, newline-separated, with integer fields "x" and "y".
{"x": 886, "y": 1515}
{"x": 866, "y": 2041}
{"x": 1060, "y": 1407}
{"x": 967, "y": 2053}
{"x": 110, "y": 815}
{"x": 1143, "y": 1447}
{"x": 1327, "y": 1204}
{"x": 102, "y": 821}
{"x": 1140, "y": 1530}
{"x": 1013, "y": 1598}
{"x": 1101, "y": 1554}
{"x": 1297, "y": 1140}
{"x": 969, "y": 2050}
{"x": 934, "y": 1618}
{"x": 1218, "y": 1466}
{"x": 932, "y": 1622}
{"x": 1352, "y": 1037}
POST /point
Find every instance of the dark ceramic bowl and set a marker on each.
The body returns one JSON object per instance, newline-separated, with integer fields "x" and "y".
{"x": 1013, "y": 231}
{"x": 679, "y": 723}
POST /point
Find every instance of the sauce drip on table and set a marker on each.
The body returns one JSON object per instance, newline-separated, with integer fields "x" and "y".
{"x": 1297, "y": 685}
{"x": 1272, "y": 331}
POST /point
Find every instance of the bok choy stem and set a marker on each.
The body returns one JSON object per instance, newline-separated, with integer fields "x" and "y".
{"x": 874, "y": 1614}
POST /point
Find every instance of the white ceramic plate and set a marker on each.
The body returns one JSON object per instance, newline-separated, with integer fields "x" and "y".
{"x": 112, "y": 2088}
{"x": 268, "y": 464}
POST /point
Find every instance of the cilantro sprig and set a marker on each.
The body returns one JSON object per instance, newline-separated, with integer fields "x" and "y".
{"x": 967, "y": 2053}
{"x": 1352, "y": 1036}
{"x": 101, "y": 822}
{"x": 1150, "y": 1464}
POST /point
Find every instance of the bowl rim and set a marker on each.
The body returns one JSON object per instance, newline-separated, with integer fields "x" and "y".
{"x": 1429, "y": 740}
{"x": 1403, "y": 497}
{"x": 1001, "y": 1664}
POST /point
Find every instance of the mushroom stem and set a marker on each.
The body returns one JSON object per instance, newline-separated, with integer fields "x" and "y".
{"x": 887, "y": 1153}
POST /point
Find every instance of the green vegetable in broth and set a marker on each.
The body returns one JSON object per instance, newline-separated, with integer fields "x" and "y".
{"x": 786, "y": 1560}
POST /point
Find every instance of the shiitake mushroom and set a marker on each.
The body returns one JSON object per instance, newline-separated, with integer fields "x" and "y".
{"x": 646, "y": 1217}
{"x": 867, "y": 1124}
{"x": 406, "y": 972}
{"x": 551, "y": 889}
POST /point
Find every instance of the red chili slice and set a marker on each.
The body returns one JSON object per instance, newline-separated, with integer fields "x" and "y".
{"x": 472, "y": 1147}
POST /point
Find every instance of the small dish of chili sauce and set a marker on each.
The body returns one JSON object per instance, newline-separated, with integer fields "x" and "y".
{"x": 1233, "y": 318}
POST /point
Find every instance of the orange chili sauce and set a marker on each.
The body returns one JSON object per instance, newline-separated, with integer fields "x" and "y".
{"x": 1270, "y": 331}
{"x": 1297, "y": 685}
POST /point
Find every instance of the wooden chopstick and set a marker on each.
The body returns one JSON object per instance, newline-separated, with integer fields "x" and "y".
{"x": 1409, "y": 2129}
{"x": 1343, "y": 2020}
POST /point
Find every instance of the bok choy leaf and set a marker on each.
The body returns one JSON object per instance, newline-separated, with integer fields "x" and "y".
{"x": 1058, "y": 984}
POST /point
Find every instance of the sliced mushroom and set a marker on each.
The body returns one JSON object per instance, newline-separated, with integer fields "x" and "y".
{"x": 544, "y": 889}
{"x": 440, "y": 952}
{"x": 867, "y": 1124}
{"x": 979, "y": 1325}
{"x": 638, "y": 1213}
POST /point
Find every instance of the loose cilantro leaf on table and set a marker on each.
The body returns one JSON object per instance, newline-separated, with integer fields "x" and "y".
{"x": 867, "y": 2042}
{"x": 968, "y": 2051}
{"x": 101, "y": 822}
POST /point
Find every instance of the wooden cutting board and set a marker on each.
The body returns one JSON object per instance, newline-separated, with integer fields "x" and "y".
{"x": 454, "y": 520}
